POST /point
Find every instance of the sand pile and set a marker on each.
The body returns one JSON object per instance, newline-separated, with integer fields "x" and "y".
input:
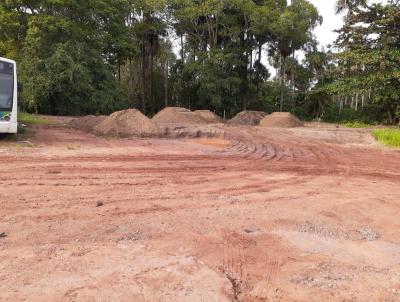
{"x": 193, "y": 131}
{"x": 88, "y": 122}
{"x": 127, "y": 123}
{"x": 247, "y": 118}
{"x": 281, "y": 120}
{"x": 209, "y": 116}
{"x": 178, "y": 115}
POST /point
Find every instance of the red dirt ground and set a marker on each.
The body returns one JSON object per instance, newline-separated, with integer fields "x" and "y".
{"x": 309, "y": 214}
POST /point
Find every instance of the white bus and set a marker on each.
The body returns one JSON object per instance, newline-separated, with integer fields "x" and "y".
{"x": 8, "y": 96}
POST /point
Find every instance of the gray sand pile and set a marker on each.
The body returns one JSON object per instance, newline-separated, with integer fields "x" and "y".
{"x": 88, "y": 122}
{"x": 177, "y": 115}
{"x": 209, "y": 116}
{"x": 281, "y": 120}
{"x": 127, "y": 123}
{"x": 252, "y": 118}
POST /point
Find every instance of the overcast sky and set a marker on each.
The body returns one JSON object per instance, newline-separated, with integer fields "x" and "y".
{"x": 326, "y": 8}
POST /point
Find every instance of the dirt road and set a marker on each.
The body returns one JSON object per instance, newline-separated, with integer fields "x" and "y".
{"x": 262, "y": 215}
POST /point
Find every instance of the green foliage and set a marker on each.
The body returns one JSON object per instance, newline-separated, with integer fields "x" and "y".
{"x": 31, "y": 119}
{"x": 71, "y": 80}
{"x": 389, "y": 137}
{"x": 368, "y": 64}
{"x": 65, "y": 50}
{"x": 98, "y": 56}
{"x": 355, "y": 124}
{"x": 218, "y": 69}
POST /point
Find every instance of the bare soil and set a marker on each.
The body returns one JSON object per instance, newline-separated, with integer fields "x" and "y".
{"x": 209, "y": 116}
{"x": 304, "y": 214}
{"x": 178, "y": 115}
{"x": 88, "y": 122}
{"x": 281, "y": 120}
{"x": 127, "y": 123}
{"x": 249, "y": 118}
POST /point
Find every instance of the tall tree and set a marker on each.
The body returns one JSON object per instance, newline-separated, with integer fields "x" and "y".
{"x": 368, "y": 64}
{"x": 292, "y": 32}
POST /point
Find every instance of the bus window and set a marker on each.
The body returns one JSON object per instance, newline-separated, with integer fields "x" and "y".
{"x": 6, "y": 91}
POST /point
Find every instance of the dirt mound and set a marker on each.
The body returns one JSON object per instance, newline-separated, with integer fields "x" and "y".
{"x": 88, "y": 122}
{"x": 127, "y": 123}
{"x": 247, "y": 118}
{"x": 281, "y": 120}
{"x": 178, "y": 115}
{"x": 209, "y": 116}
{"x": 193, "y": 131}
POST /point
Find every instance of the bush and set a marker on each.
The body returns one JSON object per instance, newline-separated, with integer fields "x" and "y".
{"x": 30, "y": 119}
{"x": 355, "y": 124}
{"x": 389, "y": 137}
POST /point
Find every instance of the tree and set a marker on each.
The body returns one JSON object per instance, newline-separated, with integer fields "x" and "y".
{"x": 349, "y": 5}
{"x": 97, "y": 56}
{"x": 292, "y": 32}
{"x": 64, "y": 53}
{"x": 368, "y": 65}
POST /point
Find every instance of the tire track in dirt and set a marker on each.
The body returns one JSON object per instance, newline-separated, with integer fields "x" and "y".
{"x": 234, "y": 268}
{"x": 287, "y": 153}
{"x": 262, "y": 290}
{"x": 233, "y": 264}
{"x": 251, "y": 148}
{"x": 251, "y": 268}
{"x": 169, "y": 201}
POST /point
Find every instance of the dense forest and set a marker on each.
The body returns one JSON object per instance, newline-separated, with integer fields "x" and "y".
{"x": 97, "y": 56}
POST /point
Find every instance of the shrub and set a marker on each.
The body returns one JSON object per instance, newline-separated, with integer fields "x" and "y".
{"x": 389, "y": 137}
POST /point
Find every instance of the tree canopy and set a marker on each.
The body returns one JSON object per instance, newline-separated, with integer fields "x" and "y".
{"x": 368, "y": 61}
{"x": 97, "y": 56}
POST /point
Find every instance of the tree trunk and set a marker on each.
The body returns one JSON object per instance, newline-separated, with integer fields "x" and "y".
{"x": 251, "y": 63}
{"x": 144, "y": 79}
{"x": 182, "y": 51}
{"x": 283, "y": 63}
{"x": 292, "y": 90}
{"x": 356, "y": 107}
{"x": 166, "y": 83}
{"x": 292, "y": 85}
{"x": 131, "y": 89}
{"x": 151, "y": 79}
{"x": 320, "y": 108}
{"x": 259, "y": 65}
{"x": 119, "y": 73}
{"x": 390, "y": 116}
{"x": 341, "y": 106}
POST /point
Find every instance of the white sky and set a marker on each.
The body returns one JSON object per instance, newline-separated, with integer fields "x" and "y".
{"x": 326, "y": 8}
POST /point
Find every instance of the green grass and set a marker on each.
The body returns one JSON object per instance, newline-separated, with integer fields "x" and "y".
{"x": 389, "y": 137}
{"x": 355, "y": 124}
{"x": 30, "y": 119}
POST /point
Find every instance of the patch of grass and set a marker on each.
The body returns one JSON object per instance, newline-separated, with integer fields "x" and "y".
{"x": 389, "y": 137}
{"x": 355, "y": 124}
{"x": 31, "y": 119}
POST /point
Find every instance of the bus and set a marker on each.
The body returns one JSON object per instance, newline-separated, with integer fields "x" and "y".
{"x": 8, "y": 96}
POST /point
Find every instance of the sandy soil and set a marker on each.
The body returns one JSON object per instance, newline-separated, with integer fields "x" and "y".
{"x": 308, "y": 214}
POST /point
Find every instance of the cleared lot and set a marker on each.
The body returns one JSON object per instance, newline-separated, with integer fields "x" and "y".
{"x": 308, "y": 214}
